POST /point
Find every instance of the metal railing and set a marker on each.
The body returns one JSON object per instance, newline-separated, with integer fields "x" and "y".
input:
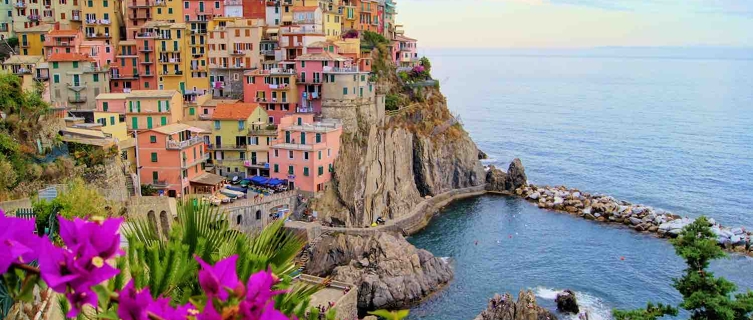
{"x": 340, "y": 70}
{"x": 178, "y": 145}
{"x": 200, "y": 159}
{"x": 76, "y": 99}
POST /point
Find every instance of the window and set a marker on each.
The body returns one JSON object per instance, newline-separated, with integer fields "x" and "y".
{"x": 154, "y": 157}
{"x": 217, "y": 124}
{"x": 75, "y": 64}
{"x": 90, "y": 3}
{"x": 169, "y": 10}
{"x": 185, "y": 4}
{"x": 191, "y": 111}
{"x": 290, "y": 154}
{"x": 56, "y": 78}
{"x": 276, "y": 168}
{"x": 306, "y": 171}
{"x": 163, "y": 121}
{"x": 320, "y": 154}
{"x": 55, "y": 65}
{"x": 216, "y": 4}
{"x": 277, "y": 154}
{"x": 303, "y": 64}
{"x": 318, "y": 137}
{"x": 112, "y": 121}
{"x": 306, "y": 155}
{"x": 241, "y": 124}
{"x": 155, "y": 176}
{"x": 153, "y": 139}
{"x": 95, "y": 77}
{"x": 329, "y": 152}
{"x": 320, "y": 171}
{"x": 345, "y": 90}
{"x": 105, "y": 3}
{"x": 290, "y": 170}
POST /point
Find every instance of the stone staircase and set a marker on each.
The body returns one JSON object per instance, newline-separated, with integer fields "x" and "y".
{"x": 303, "y": 258}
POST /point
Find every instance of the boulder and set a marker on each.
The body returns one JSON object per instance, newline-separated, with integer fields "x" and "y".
{"x": 534, "y": 196}
{"x": 388, "y": 271}
{"x": 558, "y": 201}
{"x": 504, "y": 307}
{"x": 566, "y": 302}
{"x": 635, "y": 221}
{"x": 514, "y": 178}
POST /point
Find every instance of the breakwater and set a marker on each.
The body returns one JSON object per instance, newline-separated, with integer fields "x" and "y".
{"x": 607, "y": 209}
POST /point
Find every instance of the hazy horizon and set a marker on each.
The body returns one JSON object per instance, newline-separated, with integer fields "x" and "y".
{"x": 577, "y": 24}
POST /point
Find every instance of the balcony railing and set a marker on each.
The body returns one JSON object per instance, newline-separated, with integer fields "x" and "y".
{"x": 255, "y": 164}
{"x": 24, "y": 44}
{"x": 171, "y": 73}
{"x": 75, "y": 17}
{"x": 98, "y": 35}
{"x": 170, "y": 61}
{"x": 262, "y": 132}
{"x": 160, "y": 183}
{"x": 233, "y": 2}
{"x": 117, "y": 76}
{"x": 159, "y": 3}
{"x": 76, "y": 99}
{"x": 267, "y": 52}
{"x": 200, "y": 159}
{"x": 77, "y": 85}
{"x": 227, "y": 147}
{"x": 22, "y": 71}
{"x": 19, "y": 4}
{"x": 237, "y": 52}
{"x": 103, "y": 22}
{"x": 340, "y": 70}
{"x": 179, "y": 145}
{"x": 148, "y": 74}
{"x": 33, "y": 17}
{"x": 134, "y": 16}
{"x": 146, "y": 49}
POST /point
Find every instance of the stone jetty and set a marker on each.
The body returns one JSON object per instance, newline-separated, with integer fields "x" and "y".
{"x": 607, "y": 209}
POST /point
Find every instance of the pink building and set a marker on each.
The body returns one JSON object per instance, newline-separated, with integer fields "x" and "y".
{"x": 310, "y": 68}
{"x": 171, "y": 158}
{"x": 99, "y": 50}
{"x": 200, "y": 12}
{"x": 275, "y": 90}
{"x": 62, "y": 41}
{"x": 405, "y": 51}
{"x": 112, "y": 102}
{"x": 305, "y": 151}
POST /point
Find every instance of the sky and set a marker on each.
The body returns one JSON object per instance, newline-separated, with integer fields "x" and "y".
{"x": 577, "y": 23}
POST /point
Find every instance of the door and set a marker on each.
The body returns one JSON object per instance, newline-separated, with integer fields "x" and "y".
{"x": 218, "y": 141}
{"x": 76, "y": 80}
{"x": 303, "y": 138}
{"x": 182, "y": 87}
{"x": 171, "y": 193}
{"x": 149, "y": 122}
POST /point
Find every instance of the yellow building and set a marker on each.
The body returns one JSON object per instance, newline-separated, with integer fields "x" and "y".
{"x": 233, "y": 48}
{"x": 351, "y": 15}
{"x": 181, "y": 62}
{"x": 148, "y": 109}
{"x": 102, "y": 20}
{"x": 31, "y": 40}
{"x": 239, "y": 141}
{"x": 26, "y": 14}
{"x": 167, "y": 10}
{"x": 66, "y": 13}
{"x": 332, "y": 25}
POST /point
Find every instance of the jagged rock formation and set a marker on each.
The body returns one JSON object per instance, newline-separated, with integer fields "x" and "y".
{"x": 387, "y": 165}
{"x": 566, "y": 302}
{"x": 515, "y": 177}
{"x": 389, "y": 272}
{"x": 504, "y": 307}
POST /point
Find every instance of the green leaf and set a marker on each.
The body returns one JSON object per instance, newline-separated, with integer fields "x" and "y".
{"x": 27, "y": 290}
{"x": 103, "y": 294}
{"x": 109, "y": 314}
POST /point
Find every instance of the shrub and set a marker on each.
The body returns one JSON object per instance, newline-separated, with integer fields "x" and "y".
{"x": 391, "y": 102}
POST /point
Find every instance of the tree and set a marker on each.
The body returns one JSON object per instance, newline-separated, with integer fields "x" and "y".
{"x": 426, "y": 63}
{"x": 148, "y": 190}
{"x": 705, "y": 296}
{"x": 78, "y": 200}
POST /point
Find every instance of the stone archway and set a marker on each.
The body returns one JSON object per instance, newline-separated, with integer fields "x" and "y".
{"x": 152, "y": 221}
{"x": 258, "y": 214}
{"x": 238, "y": 219}
{"x": 165, "y": 223}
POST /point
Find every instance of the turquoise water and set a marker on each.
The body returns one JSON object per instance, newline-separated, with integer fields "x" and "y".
{"x": 665, "y": 128}
{"x": 520, "y": 246}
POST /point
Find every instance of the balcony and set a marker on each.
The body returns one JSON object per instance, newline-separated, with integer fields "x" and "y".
{"x": 267, "y": 52}
{"x": 22, "y": 71}
{"x": 171, "y": 73}
{"x": 200, "y": 159}
{"x": 42, "y": 76}
{"x": 99, "y": 35}
{"x": 205, "y": 117}
{"x": 101, "y": 22}
{"x": 50, "y": 43}
{"x": 76, "y": 17}
{"x": 146, "y": 62}
{"x": 159, "y": 3}
{"x": 255, "y": 164}
{"x": 95, "y": 69}
{"x": 139, "y": 4}
{"x": 310, "y": 81}
{"x": 304, "y": 21}
{"x": 134, "y": 16}
{"x": 198, "y": 68}
{"x": 273, "y": 100}
{"x": 19, "y": 4}
{"x": 180, "y": 145}
{"x": 168, "y": 49}
{"x": 237, "y": 53}
{"x": 148, "y": 74}
{"x": 160, "y": 184}
{"x": 76, "y": 99}
{"x": 153, "y": 35}
{"x": 24, "y": 44}
{"x": 33, "y": 17}
{"x": 170, "y": 61}
{"x": 227, "y": 147}
{"x": 77, "y": 86}
{"x": 340, "y": 70}
{"x": 118, "y": 76}
{"x": 146, "y": 49}
{"x": 262, "y": 132}
{"x": 282, "y": 86}
{"x": 233, "y": 3}
{"x": 278, "y": 144}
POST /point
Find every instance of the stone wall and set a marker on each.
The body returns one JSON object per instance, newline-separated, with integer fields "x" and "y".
{"x": 159, "y": 211}
{"x": 355, "y": 112}
{"x": 10, "y": 206}
{"x": 347, "y": 305}
{"x": 418, "y": 218}
{"x": 250, "y": 215}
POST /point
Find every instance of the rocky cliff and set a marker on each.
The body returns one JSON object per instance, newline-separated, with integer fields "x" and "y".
{"x": 388, "y": 164}
{"x": 389, "y": 272}
{"x": 504, "y": 307}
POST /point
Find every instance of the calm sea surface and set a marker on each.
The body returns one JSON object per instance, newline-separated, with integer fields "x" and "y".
{"x": 671, "y": 129}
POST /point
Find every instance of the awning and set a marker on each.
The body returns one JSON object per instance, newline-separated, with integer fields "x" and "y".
{"x": 196, "y": 130}
{"x": 273, "y": 30}
{"x": 208, "y": 179}
{"x": 275, "y": 182}
{"x": 259, "y": 180}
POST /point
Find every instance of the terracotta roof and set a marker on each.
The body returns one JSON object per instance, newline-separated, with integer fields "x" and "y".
{"x": 403, "y": 38}
{"x": 172, "y": 128}
{"x": 73, "y": 56}
{"x": 305, "y": 9}
{"x": 18, "y": 59}
{"x": 233, "y": 111}
{"x": 321, "y": 56}
{"x": 63, "y": 33}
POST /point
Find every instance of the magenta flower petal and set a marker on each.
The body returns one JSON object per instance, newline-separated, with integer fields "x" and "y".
{"x": 270, "y": 313}
{"x": 18, "y": 243}
{"x": 209, "y": 313}
{"x": 218, "y": 279}
{"x": 162, "y": 308}
{"x": 80, "y": 298}
{"x": 133, "y": 303}
{"x": 54, "y": 267}
{"x": 259, "y": 288}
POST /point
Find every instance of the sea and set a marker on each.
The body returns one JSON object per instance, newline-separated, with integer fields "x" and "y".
{"x": 670, "y": 128}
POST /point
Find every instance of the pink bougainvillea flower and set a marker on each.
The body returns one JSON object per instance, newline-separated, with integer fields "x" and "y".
{"x": 18, "y": 243}
{"x": 218, "y": 279}
{"x": 209, "y": 313}
{"x": 132, "y": 302}
{"x": 259, "y": 288}
{"x": 162, "y": 309}
{"x": 79, "y": 298}
{"x": 102, "y": 238}
{"x": 55, "y": 267}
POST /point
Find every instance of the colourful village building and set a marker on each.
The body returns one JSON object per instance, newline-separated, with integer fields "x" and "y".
{"x": 125, "y": 70}
{"x": 76, "y": 80}
{"x": 351, "y": 15}
{"x": 311, "y": 68}
{"x": 25, "y": 15}
{"x": 404, "y": 51}
{"x": 66, "y": 13}
{"x": 6, "y": 21}
{"x": 171, "y": 158}
{"x": 112, "y": 102}
{"x": 31, "y": 40}
{"x": 102, "y": 20}
{"x": 27, "y": 67}
{"x": 368, "y": 20}
{"x": 295, "y": 39}
{"x": 273, "y": 14}
{"x": 275, "y": 90}
{"x": 137, "y": 13}
{"x": 253, "y": 9}
{"x": 239, "y": 146}
{"x": 149, "y": 109}
{"x": 233, "y": 48}
{"x": 62, "y": 41}
{"x": 305, "y": 151}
